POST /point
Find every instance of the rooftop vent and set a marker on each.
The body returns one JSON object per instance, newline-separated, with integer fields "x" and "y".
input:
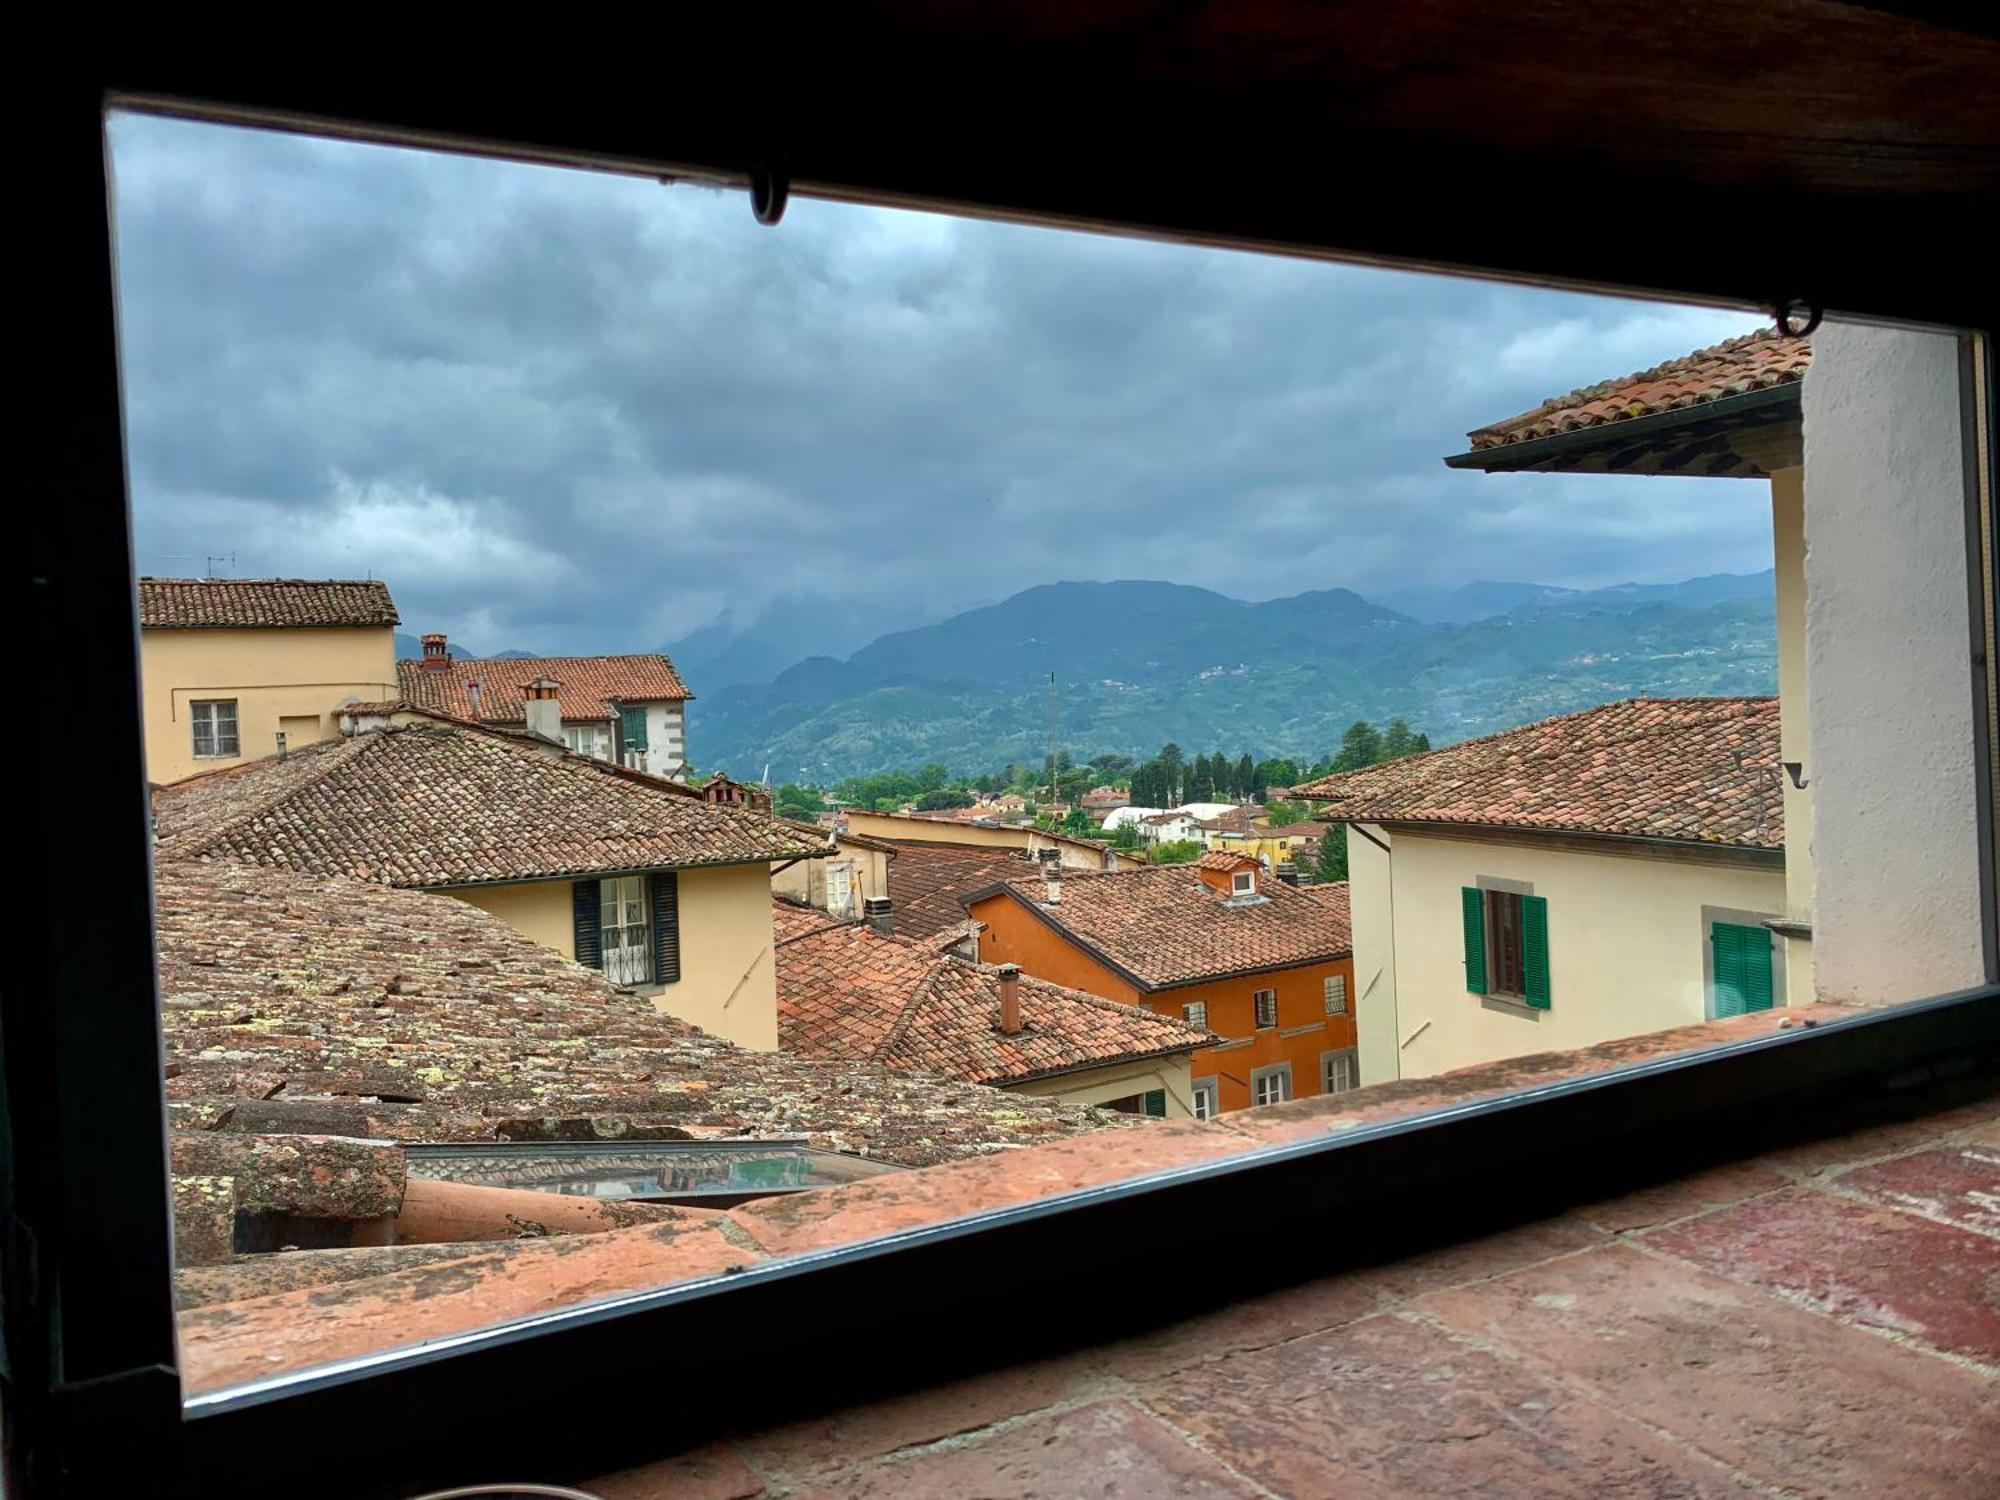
{"x": 435, "y": 653}
{"x": 1010, "y": 999}
{"x": 878, "y": 913}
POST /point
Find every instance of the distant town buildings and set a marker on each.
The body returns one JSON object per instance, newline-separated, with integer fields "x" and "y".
{"x": 1264, "y": 967}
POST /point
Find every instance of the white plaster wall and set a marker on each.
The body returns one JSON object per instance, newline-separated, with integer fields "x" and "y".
{"x": 1788, "y": 538}
{"x": 1896, "y": 905}
{"x": 1628, "y": 947}
{"x": 1371, "y": 905}
{"x": 666, "y": 739}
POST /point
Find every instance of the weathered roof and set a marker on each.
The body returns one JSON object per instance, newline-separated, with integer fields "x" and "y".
{"x": 1695, "y": 770}
{"x": 1164, "y": 925}
{"x": 434, "y": 803}
{"x": 927, "y": 880}
{"x": 1735, "y": 367}
{"x": 592, "y": 686}
{"x": 253, "y": 603}
{"x": 1333, "y": 895}
{"x": 845, "y": 990}
{"x": 331, "y": 1006}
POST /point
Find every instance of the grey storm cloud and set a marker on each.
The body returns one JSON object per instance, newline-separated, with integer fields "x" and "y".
{"x": 578, "y": 412}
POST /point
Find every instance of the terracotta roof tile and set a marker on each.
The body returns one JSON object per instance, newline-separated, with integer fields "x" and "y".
{"x": 592, "y": 686}
{"x": 1333, "y": 895}
{"x": 433, "y": 803}
{"x": 254, "y": 603}
{"x": 926, "y": 881}
{"x": 1701, "y": 770}
{"x": 1165, "y": 926}
{"x": 325, "y": 1006}
{"x": 847, "y": 991}
{"x": 1735, "y": 367}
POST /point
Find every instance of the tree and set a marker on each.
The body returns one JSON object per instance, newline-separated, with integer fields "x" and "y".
{"x": 1246, "y": 782}
{"x": 1281, "y": 812}
{"x": 1111, "y": 763}
{"x": 1272, "y": 774}
{"x": 1332, "y": 862}
{"x": 1126, "y": 836}
{"x": 1071, "y": 785}
{"x": 932, "y": 777}
{"x": 1201, "y": 780}
{"x": 1360, "y": 746}
{"x": 1176, "y": 851}
{"x": 942, "y": 798}
{"x": 803, "y": 803}
{"x": 1077, "y": 822}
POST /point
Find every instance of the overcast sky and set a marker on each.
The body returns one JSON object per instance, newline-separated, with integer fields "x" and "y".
{"x": 577, "y": 412}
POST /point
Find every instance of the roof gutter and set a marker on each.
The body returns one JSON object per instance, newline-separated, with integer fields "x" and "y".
{"x": 1769, "y": 403}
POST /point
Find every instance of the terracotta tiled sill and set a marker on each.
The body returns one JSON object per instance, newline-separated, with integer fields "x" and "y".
{"x": 432, "y": 1291}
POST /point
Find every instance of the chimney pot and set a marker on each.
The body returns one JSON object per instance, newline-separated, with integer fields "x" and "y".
{"x": 541, "y": 702}
{"x": 1052, "y": 889}
{"x": 879, "y": 914}
{"x": 435, "y": 653}
{"x": 1010, "y": 999}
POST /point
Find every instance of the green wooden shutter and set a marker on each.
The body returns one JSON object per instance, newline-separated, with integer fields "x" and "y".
{"x": 1741, "y": 968}
{"x": 1535, "y": 949}
{"x": 586, "y": 921}
{"x": 665, "y": 889}
{"x": 632, "y": 726}
{"x": 1156, "y": 1103}
{"x": 1475, "y": 939}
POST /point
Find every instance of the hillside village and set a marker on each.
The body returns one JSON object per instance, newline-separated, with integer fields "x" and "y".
{"x": 462, "y": 950}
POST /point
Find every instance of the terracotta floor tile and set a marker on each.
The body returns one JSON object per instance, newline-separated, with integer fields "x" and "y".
{"x": 1493, "y": 1255}
{"x": 1957, "y": 1184}
{"x": 1292, "y": 1313}
{"x": 1879, "y": 1267}
{"x": 1390, "y": 1407}
{"x": 1786, "y": 1394}
{"x": 1106, "y": 1451}
{"x": 805, "y": 1448}
{"x": 716, "y": 1472}
{"x": 1683, "y": 1196}
{"x": 1837, "y": 1153}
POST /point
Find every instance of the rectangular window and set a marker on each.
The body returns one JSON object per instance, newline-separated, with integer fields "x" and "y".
{"x": 1243, "y": 883}
{"x": 214, "y": 721}
{"x": 1506, "y": 969}
{"x": 1195, "y": 1013}
{"x": 1507, "y": 945}
{"x": 1339, "y": 1071}
{"x": 624, "y": 929}
{"x": 1267, "y": 1008}
{"x": 1204, "y": 1099}
{"x": 632, "y": 727}
{"x": 588, "y": 739}
{"x": 1272, "y": 1085}
{"x": 840, "y": 890}
{"x": 1336, "y": 994}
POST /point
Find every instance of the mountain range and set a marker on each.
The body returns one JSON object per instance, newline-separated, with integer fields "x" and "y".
{"x": 1137, "y": 663}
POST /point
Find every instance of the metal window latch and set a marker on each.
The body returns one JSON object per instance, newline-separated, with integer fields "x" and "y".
{"x": 1797, "y": 317}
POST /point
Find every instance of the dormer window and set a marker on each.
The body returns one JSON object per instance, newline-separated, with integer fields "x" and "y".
{"x": 1243, "y": 883}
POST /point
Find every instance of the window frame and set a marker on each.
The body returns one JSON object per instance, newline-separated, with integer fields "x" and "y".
{"x": 1208, "y": 1088}
{"x": 1279, "y": 1073}
{"x": 1257, "y": 1003}
{"x": 196, "y": 725}
{"x": 1195, "y": 1013}
{"x": 110, "y": 1357}
{"x": 1329, "y": 1059}
{"x": 1333, "y": 991}
{"x": 1498, "y": 970}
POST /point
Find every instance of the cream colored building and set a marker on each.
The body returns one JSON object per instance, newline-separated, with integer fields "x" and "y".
{"x": 1076, "y": 854}
{"x": 1660, "y": 855}
{"x": 631, "y": 874}
{"x": 235, "y": 669}
{"x": 853, "y": 874}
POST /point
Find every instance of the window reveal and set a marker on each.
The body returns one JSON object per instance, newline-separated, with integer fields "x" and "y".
{"x": 214, "y": 723}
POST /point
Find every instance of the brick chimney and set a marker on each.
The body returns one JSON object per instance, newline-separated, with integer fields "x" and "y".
{"x": 1010, "y": 999}
{"x": 542, "y": 701}
{"x": 436, "y": 657}
{"x": 879, "y": 914}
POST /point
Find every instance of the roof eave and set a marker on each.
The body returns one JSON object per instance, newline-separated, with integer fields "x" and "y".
{"x": 1467, "y": 829}
{"x": 1561, "y": 452}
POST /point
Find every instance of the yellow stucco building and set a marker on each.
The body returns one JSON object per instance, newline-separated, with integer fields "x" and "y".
{"x": 233, "y": 669}
{"x": 639, "y": 877}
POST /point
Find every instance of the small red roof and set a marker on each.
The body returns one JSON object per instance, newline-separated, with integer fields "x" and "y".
{"x": 263, "y": 603}
{"x": 1696, "y": 770}
{"x": 1735, "y": 367}
{"x": 591, "y": 686}
{"x": 847, "y": 991}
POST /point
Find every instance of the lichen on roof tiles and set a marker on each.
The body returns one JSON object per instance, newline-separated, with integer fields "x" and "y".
{"x": 1696, "y": 770}
{"x": 299, "y": 1005}
{"x": 433, "y": 803}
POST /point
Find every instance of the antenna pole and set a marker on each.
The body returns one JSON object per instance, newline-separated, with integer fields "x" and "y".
{"x": 1052, "y": 747}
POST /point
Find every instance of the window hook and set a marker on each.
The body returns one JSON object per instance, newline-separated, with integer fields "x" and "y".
{"x": 1792, "y": 307}
{"x": 770, "y": 190}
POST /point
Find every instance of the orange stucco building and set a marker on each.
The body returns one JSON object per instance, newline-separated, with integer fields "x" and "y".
{"x": 1266, "y": 967}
